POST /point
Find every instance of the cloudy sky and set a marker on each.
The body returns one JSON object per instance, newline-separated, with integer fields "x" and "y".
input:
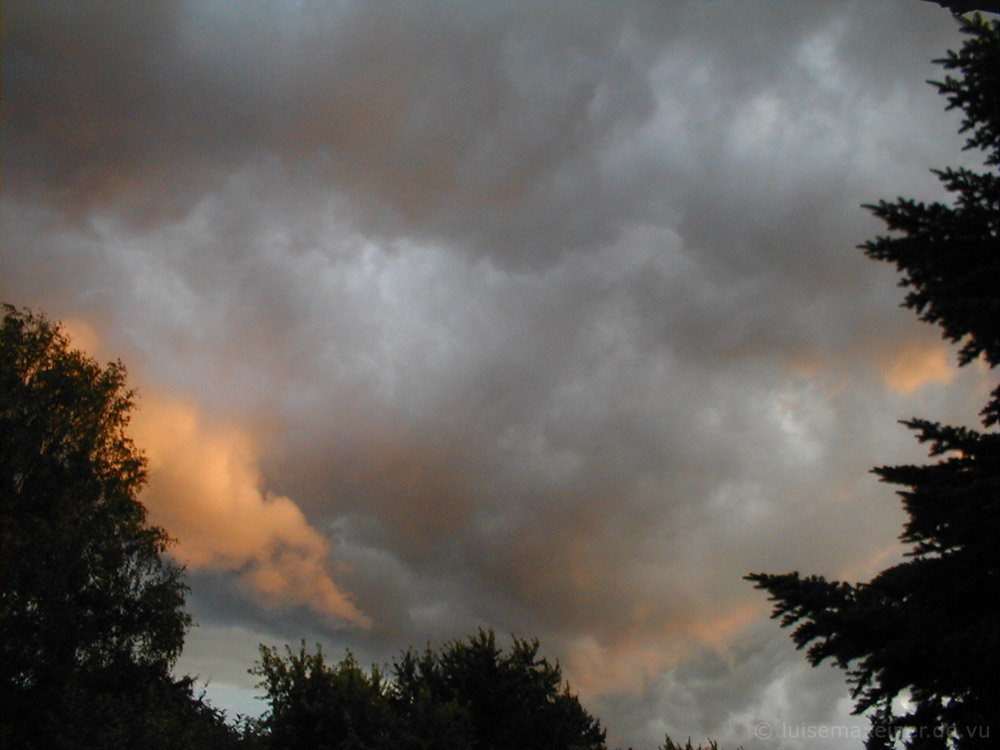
{"x": 543, "y": 316}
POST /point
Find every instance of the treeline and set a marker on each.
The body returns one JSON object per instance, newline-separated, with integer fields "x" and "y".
{"x": 470, "y": 694}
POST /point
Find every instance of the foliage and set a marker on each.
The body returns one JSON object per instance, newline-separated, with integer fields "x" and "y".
{"x": 470, "y": 695}
{"x": 669, "y": 744}
{"x": 138, "y": 710}
{"x": 91, "y": 612}
{"x": 314, "y": 706}
{"x": 948, "y": 254}
{"x": 929, "y": 629}
{"x": 506, "y": 700}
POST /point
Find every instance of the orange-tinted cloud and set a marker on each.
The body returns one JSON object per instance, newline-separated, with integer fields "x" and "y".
{"x": 918, "y": 366}
{"x": 720, "y": 630}
{"x": 595, "y": 669}
{"x": 205, "y": 490}
{"x": 628, "y": 664}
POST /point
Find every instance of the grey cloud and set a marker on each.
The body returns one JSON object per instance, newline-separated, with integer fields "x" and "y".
{"x": 489, "y": 130}
{"x": 452, "y": 119}
{"x": 761, "y": 682}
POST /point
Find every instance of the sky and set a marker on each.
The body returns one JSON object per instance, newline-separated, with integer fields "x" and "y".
{"x": 540, "y": 316}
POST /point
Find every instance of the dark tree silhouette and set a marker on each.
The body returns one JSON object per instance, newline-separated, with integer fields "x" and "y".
{"x": 514, "y": 700}
{"x": 315, "y": 706}
{"x": 669, "y": 744}
{"x": 967, "y": 6}
{"x": 929, "y": 628}
{"x": 469, "y": 695}
{"x": 91, "y": 612}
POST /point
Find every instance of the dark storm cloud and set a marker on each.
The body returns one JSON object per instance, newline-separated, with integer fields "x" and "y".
{"x": 466, "y": 121}
{"x": 499, "y": 132}
{"x": 547, "y": 318}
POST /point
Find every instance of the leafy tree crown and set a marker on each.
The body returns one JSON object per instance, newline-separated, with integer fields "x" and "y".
{"x": 89, "y": 600}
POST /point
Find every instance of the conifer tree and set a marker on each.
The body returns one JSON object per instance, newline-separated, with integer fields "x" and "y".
{"x": 928, "y": 629}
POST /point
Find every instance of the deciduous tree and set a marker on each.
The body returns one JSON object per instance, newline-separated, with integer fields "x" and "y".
{"x": 91, "y": 611}
{"x": 515, "y": 700}
{"x": 316, "y": 706}
{"x": 471, "y": 694}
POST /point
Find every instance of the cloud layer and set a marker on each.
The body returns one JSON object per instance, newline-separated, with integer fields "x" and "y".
{"x": 454, "y": 314}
